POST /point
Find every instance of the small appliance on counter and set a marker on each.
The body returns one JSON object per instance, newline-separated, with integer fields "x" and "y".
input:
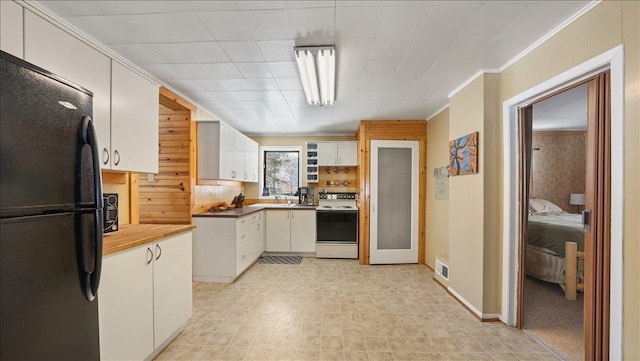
{"x": 110, "y": 215}
{"x": 305, "y": 195}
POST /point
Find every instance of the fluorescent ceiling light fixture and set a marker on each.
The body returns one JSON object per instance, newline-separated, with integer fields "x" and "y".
{"x": 317, "y": 65}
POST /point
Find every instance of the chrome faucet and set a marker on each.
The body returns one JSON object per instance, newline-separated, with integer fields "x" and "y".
{"x": 277, "y": 198}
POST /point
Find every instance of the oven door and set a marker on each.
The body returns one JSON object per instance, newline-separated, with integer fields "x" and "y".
{"x": 335, "y": 226}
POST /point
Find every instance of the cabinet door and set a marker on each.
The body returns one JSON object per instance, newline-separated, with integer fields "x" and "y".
{"x": 134, "y": 121}
{"x": 227, "y": 151}
{"x": 239, "y": 144}
{"x": 172, "y": 291}
{"x": 348, "y": 153}
{"x": 278, "y": 231}
{"x": 11, "y": 29}
{"x": 251, "y": 159}
{"x": 48, "y": 47}
{"x": 303, "y": 231}
{"x": 125, "y": 305}
{"x": 327, "y": 153}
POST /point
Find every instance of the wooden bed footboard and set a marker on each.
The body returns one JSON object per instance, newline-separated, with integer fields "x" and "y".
{"x": 572, "y": 285}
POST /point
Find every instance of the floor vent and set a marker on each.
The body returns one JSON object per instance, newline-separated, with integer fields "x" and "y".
{"x": 442, "y": 269}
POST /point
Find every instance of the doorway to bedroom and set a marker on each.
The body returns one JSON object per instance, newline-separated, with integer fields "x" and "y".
{"x": 553, "y": 297}
{"x": 563, "y": 168}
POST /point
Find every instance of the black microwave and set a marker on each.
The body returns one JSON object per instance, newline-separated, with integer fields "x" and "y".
{"x": 110, "y": 212}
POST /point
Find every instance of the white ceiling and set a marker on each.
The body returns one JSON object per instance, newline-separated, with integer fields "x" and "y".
{"x": 395, "y": 59}
{"x": 564, "y": 111}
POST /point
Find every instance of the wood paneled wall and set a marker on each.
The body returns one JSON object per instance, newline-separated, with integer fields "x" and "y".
{"x": 389, "y": 130}
{"x": 167, "y": 197}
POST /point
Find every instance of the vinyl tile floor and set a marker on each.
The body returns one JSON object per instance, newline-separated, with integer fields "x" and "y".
{"x": 327, "y": 309}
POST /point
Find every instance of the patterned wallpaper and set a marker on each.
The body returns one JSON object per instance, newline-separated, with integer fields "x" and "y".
{"x": 558, "y": 167}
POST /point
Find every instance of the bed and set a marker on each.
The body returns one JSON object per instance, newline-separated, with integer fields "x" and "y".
{"x": 555, "y": 246}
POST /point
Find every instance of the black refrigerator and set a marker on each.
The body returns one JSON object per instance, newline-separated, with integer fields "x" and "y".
{"x": 50, "y": 217}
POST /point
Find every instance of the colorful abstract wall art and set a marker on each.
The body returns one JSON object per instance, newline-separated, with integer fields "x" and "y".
{"x": 463, "y": 155}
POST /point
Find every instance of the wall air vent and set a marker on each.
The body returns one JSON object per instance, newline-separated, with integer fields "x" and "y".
{"x": 442, "y": 269}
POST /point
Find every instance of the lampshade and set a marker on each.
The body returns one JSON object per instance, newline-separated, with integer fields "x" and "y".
{"x": 576, "y": 199}
{"x": 317, "y": 65}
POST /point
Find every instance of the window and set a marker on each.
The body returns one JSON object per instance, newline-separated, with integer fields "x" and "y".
{"x": 280, "y": 170}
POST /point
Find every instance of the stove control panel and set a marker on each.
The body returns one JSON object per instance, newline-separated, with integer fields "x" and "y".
{"x": 338, "y": 196}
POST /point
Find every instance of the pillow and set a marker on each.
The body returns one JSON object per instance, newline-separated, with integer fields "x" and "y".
{"x": 543, "y": 206}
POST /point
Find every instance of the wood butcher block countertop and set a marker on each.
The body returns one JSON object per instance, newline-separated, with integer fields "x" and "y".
{"x": 132, "y": 235}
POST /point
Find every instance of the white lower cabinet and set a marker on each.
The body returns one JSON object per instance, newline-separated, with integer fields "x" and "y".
{"x": 145, "y": 298}
{"x": 224, "y": 247}
{"x": 291, "y": 230}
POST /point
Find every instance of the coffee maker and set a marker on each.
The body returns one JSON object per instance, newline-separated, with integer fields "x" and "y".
{"x": 305, "y": 195}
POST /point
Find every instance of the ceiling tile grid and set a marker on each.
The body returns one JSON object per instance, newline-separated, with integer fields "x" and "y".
{"x": 235, "y": 59}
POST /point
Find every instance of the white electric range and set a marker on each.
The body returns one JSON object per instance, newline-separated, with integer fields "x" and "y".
{"x": 337, "y": 225}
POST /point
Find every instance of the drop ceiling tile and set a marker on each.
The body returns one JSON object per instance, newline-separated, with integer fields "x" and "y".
{"x": 308, "y": 4}
{"x": 221, "y": 96}
{"x": 208, "y": 85}
{"x": 493, "y": 18}
{"x": 223, "y": 71}
{"x": 415, "y": 68}
{"x": 205, "y": 52}
{"x": 260, "y": 5}
{"x": 289, "y": 83}
{"x": 350, "y": 67}
{"x": 235, "y": 84}
{"x": 382, "y": 68}
{"x": 226, "y": 25}
{"x": 349, "y": 82}
{"x": 242, "y": 51}
{"x": 170, "y": 53}
{"x": 402, "y": 22}
{"x": 390, "y": 48}
{"x": 106, "y": 29}
{"x": 357, "y": 22}
{"x": 307, "y": 23}
{"x": 429, "y": 47}
{"x": 177, "y": 71}
{"x": 354, "y": 48}
{"x": 468, "y": 48}
{"x": 376, "y": 82}
{"x": 540, "y": 17}
{"x": 263, "y": 84}
{"x": 217, "y": 5}
{"x": 269, "y": 24}
{"x": 277, "y": 50}
{"x": 284, "y": 69}
{"x": 162, "y": 28}
{"x": 254, "y": 70}
{"x": 294, "y": 98}
{"x": 137, "y": 53}
{"x": 448, "y": 20}
{"x": 201, "y": 97}
{"x": 276, "y": 104}
{"x": 404, "y": 83}
{"x": 77, "y": 8}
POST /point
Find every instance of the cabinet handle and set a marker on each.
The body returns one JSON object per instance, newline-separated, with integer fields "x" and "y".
{"x": 243, "y": 236}
{"x": 245, "y": 176}
{"x": 258, "y": 226}
{"x": 339, "y": 160}
{"x": 105, "y": 155}
{"x": 116, "y": 160}
{"x": 150, "y": 255}
{"x": 291, "y": 214}
{"x": 159, "y": 251}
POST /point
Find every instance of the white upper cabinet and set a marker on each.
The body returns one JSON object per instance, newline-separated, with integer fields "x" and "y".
{"x": 11, "y": 34}
{"x": 225, "y": 154}
{"x": 337, "y": 153}
{"x": 125, "y": 105}
{"x": 134, "y": 121}
{"x": 48, "y": 47}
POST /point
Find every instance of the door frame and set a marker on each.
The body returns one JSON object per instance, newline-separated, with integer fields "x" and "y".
{"x": 414, "y": 146}
{"x": 614, "y": 61}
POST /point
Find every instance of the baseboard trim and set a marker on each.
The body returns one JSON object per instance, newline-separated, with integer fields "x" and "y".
{"x": 483, "y": 317}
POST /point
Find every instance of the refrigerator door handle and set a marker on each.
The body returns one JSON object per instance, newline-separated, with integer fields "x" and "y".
{"x": 93, "y": 274}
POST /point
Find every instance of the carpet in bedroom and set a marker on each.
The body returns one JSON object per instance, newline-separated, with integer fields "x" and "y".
{"x": 554, "y": 320}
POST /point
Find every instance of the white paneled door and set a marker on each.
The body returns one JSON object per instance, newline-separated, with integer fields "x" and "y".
{"x": 394, "y": 202}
